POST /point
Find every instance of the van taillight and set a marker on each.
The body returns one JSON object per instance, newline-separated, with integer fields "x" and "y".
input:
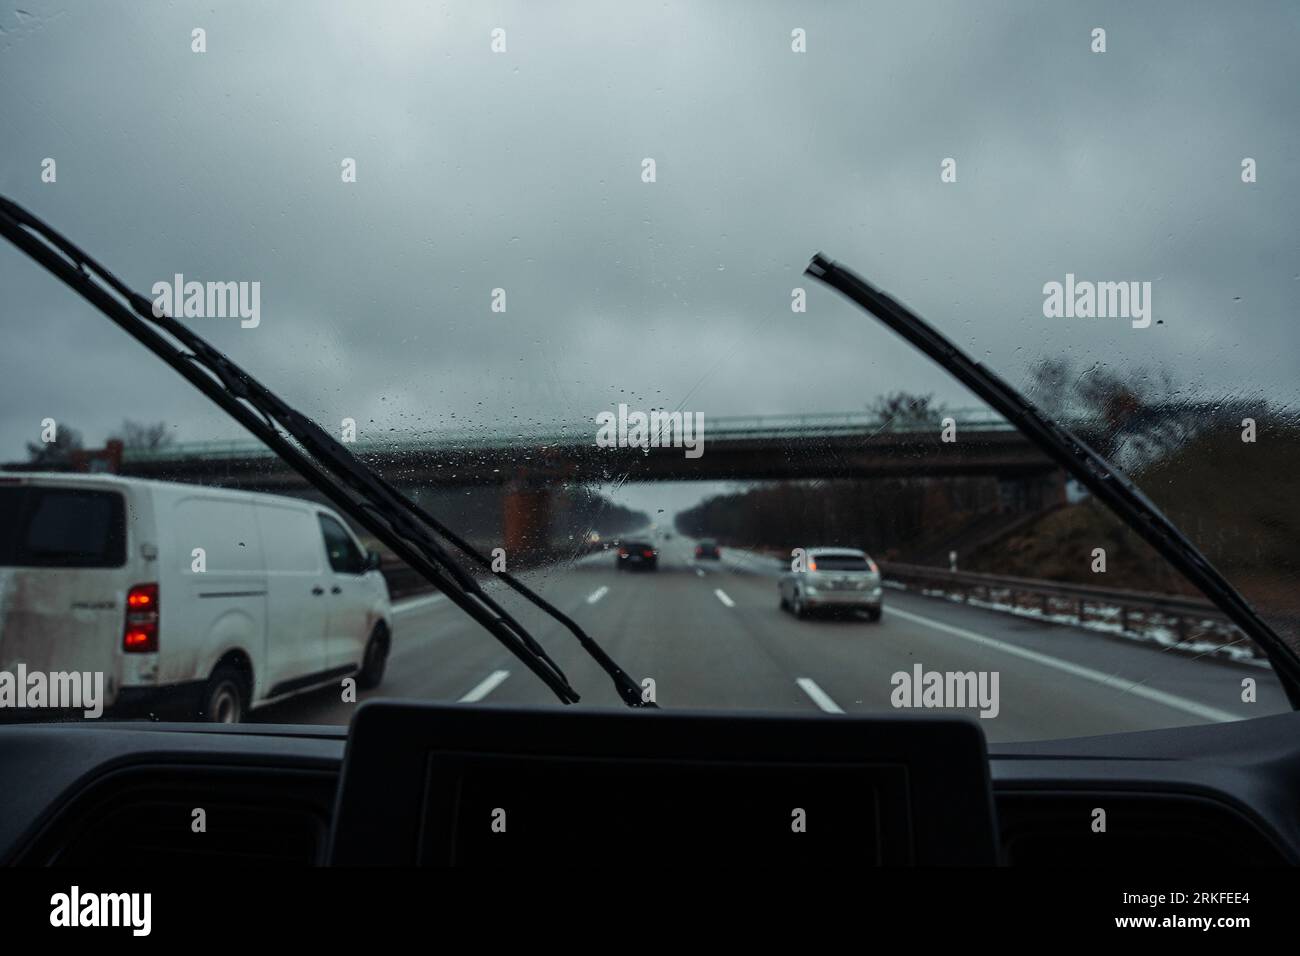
{"x": 141, "y": 633}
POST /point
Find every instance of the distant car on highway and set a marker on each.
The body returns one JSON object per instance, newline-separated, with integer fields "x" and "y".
{"x": 708, "y": 550}
{"x": 637, "y": 555}
{"x": 194, "y": 601}
{"x": 835, "y": 579}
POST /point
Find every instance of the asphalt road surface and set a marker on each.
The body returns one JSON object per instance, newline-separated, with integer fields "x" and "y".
{"x": 711, "y": 635}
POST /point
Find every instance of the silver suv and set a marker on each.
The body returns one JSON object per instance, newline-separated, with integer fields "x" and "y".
{"x": 831, "y": 579}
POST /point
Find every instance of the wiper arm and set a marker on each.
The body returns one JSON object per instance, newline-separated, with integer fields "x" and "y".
{"x": 1104, "y": 480}
{"x": 316, "y": 456}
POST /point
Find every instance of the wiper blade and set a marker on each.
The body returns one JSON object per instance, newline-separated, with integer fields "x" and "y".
{"x": 325, "y": 463}
{"x": 1106, "y": 482}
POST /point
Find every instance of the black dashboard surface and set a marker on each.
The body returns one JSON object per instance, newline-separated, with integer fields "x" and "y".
{"x": 1248, "y": 769}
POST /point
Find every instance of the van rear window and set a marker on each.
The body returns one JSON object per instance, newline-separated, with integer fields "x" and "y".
{"x": 61, "y": 528}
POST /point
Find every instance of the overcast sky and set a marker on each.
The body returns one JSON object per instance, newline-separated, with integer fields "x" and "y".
{"x": 522, "y": 170}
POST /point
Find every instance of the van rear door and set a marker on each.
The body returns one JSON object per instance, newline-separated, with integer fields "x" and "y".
{"x": 63, "y": 569}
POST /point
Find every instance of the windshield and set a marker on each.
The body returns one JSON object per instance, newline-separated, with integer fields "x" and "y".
{"x": 544, "y": 275}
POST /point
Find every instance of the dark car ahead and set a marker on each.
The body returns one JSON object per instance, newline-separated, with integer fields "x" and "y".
{"x": 637, "y": 555}
{"x": 708, "y": 550}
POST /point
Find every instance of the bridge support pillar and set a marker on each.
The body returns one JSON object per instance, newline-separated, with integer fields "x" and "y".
{"x": 525, "y": 518}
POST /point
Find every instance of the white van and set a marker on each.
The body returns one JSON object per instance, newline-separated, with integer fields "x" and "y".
{"x": 192, "y": 601}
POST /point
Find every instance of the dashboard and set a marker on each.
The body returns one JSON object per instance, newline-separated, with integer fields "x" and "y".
{"x": 416, "y": 784}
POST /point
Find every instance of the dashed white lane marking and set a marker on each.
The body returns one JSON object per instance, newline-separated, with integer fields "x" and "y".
{"x": 1075, "y": 670}
{"x": 417, "y": 603}
{"x": 819, "y": 696}
{"x": 722, "y": 596}
{"x": 485, "y": 687}
{"x": 597, "y": 594}
{"x": 699, "y": 572}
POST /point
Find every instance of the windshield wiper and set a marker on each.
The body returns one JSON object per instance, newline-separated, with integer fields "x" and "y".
{"x": 1106, "y": 482}
{"x": 325, "y": 463}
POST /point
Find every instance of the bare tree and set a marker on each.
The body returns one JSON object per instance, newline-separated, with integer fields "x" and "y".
{"x": 1132, "y": 416}
{"x": 57, "y": 452}
{"x": 906, "y": 410}
{"x": 139, "y": 436}
{"x": 1050, "y": 386}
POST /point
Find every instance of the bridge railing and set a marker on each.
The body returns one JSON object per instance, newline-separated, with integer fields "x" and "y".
{"x": 720, "y": 427}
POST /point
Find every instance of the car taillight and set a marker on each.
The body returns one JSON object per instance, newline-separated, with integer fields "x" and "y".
{"x": 140, "y": 635}
{"x": 698, "y": 552}
{"x": 622, "y": 552}
{"x": 872, "y": 565}
{"x": 812, "y": 565}
{"x": 647, "y": 554}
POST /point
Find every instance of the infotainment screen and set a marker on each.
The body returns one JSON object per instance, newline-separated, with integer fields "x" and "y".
{"x": 456, "y": 785}
{"x": 493, "y": 811}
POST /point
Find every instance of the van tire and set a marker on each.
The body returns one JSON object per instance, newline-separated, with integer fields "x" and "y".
{"x": 225, "y": 697}
{"x": 371, "y": 672}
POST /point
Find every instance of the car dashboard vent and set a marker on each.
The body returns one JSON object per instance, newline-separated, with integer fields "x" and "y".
{"x": 145, "y": 816}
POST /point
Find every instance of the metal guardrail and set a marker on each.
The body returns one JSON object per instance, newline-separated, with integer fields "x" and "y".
{"x": 721, "y": 427}
{"x": 1188, "y": 614}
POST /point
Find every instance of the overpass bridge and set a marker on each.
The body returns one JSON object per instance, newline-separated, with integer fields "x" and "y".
{"x": 737, "y": 448}
{"x": 525, "y": 460}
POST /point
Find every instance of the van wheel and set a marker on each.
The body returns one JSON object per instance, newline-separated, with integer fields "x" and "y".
{"x": 225, "y": 699}
{"x": 371, "y": 672}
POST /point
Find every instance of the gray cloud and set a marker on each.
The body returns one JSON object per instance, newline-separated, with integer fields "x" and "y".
{"x": 521, "y": 171}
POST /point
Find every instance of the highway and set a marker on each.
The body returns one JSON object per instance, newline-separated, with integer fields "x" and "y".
{"x": 711, "y": 635}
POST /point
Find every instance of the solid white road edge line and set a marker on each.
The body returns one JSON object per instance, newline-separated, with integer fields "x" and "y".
{"x": 1202, "y": 711}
